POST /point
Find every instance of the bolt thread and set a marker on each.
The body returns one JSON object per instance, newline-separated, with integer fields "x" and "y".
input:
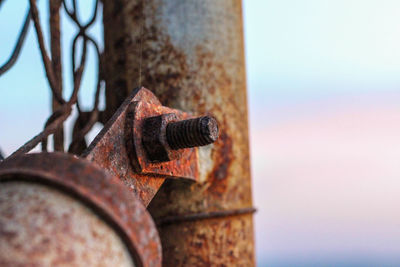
{"x": 191, "y": 133}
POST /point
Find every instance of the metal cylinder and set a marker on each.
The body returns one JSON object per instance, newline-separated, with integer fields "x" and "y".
{"x": 191, "y": 55}
{"x": 58, "y": 210}
{"x": 41, "y": 226}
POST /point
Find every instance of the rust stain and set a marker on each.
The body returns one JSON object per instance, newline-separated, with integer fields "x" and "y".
{"x": 164, "y": 78}
{"x": 223, "y": 157}
{"x": 206, "y": 240}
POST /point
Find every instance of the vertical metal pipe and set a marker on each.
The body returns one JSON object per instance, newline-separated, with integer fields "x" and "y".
{"x": 191, "y": 55}
{"x": 55, "y": 45}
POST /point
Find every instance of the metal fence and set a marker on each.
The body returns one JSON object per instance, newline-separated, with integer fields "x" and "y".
{"x": 52, "y": 63}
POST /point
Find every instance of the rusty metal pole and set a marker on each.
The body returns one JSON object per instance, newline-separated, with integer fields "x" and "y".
{"x": 55, "y": 45}
{"x": 191, "y": 55}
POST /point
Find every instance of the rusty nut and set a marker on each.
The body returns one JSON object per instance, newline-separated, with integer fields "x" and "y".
{"x": 154, "y": 138}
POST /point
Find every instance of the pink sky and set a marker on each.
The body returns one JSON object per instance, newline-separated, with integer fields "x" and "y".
{"x": 327, "y": 181}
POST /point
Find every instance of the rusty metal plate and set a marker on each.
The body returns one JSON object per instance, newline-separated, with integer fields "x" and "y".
{"x": 85, "y": 183}
{"x": 114, "y": 149}
{"x": 185, "y": 164}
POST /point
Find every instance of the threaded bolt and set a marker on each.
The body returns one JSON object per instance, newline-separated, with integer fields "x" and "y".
{"x": 191, "y": 133}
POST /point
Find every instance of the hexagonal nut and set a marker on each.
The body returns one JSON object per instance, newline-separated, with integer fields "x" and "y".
{"x": 154, "y": 138}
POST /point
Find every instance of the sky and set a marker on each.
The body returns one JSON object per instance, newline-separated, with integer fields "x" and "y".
{"x": 323, "y": 83}
{"x": 324, "y": 106}
{"x": 24, "y": 90}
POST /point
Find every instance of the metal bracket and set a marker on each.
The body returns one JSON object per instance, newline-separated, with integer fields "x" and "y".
{"x": 119, "y": 148}
{"x": 182, "y": 163}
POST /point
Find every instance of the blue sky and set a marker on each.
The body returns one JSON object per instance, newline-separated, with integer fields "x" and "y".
{"x": 24, "y": 89}
{"x": 323, "y": 84}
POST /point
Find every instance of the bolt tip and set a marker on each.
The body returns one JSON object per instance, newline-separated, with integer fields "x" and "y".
{"x": 209, "y": 128}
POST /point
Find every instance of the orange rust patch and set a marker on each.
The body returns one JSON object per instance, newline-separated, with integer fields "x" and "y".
{"x": 222, "y": 162}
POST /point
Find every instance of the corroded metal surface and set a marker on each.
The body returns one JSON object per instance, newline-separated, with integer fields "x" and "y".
{"x": 57, "y": 209}
{"x": 206, "y": 239}
{"x": 154, "y": 138}
{"x": 41, "y": 227}
{"x": 183, "y": 164}
{"x": 118, "y": 148}
{"x": 191, "y": 54}
{"x": 195, "y": 132}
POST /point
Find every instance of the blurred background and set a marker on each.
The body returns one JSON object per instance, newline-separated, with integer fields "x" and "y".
{"x": 324, "y": 107}
{"x": 324, "y": 87}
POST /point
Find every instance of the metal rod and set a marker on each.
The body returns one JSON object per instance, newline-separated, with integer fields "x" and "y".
{"x": 55, "y": 46}
{"x": 202, "y": 216}
{"x": 18, "y": 46}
